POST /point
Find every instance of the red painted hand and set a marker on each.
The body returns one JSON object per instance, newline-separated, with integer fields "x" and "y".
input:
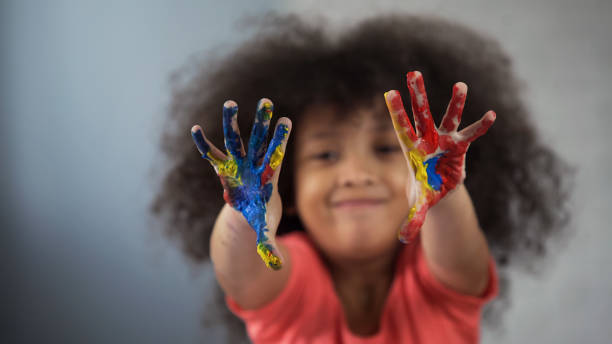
{"x": 436, "y": 155}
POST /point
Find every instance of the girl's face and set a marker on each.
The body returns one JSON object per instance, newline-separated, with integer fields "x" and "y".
{"x": 351, "y": 181}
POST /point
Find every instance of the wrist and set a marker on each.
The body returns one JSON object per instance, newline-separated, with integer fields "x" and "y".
{"x": 233, "y": 218}
{"x": 452, "y": 197}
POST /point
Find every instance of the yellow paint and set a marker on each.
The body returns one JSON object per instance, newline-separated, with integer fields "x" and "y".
{"x": 416, "y": 159}
{"x": 277, "y": 157}
{"x": 412, "y": 212}
{"x": 226, "y": 168}
{"x": 415, "y": 156}
{"x": 268, "y": 257}
{"x": 399, "y": 129}
{"x": 268, "y": 111}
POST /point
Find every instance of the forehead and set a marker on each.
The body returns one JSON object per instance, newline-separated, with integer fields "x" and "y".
{"x": 322, "y": 120}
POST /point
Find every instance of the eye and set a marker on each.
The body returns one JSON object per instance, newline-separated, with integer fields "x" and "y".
{"x": 325, "y": 156}
{"x": 387, "y": 148}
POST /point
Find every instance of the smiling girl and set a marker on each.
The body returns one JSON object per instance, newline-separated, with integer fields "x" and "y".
{"x": 311, "y": 254}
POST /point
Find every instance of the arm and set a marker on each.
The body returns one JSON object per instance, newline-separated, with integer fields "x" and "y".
{"x": 454, "y": 245}
{"x": 246, "y": 226}
{"x": 237, "y": 265}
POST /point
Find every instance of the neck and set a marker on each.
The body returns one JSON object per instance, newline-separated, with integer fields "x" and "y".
{"x": 363, "y": 281}
{"x": 362, "y": 288}
{"x": 363, "y": 273}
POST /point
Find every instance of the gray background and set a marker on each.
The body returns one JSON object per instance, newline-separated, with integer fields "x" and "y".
{"x": 84, "y": 88}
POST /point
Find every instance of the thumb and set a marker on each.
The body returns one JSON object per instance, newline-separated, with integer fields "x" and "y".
{"x": 416, "y": 216}
{"x": 270, "y": 253}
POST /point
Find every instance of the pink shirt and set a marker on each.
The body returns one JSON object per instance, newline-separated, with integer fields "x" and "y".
{"x": 418, "y": 309}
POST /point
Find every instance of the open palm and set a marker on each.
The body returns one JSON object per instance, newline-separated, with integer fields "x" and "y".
{"x": 249, "y": 179}
{"x": 437, "y": 155}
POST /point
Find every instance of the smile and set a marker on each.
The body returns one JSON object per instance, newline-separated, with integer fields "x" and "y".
{"x": 357, "y": 203}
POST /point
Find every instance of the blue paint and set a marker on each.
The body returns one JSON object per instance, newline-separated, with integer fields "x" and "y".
{"x": 252, "y": 201}
{"x": 267, "y": 191}
{"x": 279, "y": 134}
{"x": 433, "y": 178}
{"x": 233, "y": 143}
{"x": 203, "y": 147}
{"x": 259, "y": 131}
{"x": 248, "y": 196}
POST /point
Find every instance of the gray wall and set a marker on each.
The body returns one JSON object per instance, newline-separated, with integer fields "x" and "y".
{"x": 83, "y": 93}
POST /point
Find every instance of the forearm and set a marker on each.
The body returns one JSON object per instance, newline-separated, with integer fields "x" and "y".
{"x": 238, "y": 268}
{"x": 232, "y": 248}
{"x": 454, "y": 245}
{"x": 233, "y": 252}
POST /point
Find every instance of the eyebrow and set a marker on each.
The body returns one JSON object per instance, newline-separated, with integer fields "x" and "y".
{"x": 322, "y": 134}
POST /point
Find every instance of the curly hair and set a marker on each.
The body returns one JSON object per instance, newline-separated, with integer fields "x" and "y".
{"x": 518, "y": 185}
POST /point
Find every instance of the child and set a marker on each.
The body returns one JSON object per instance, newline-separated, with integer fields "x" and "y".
{"x": 334, "y": 270}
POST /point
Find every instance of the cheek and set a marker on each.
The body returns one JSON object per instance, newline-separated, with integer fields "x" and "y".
{"x": 400, "y": 174}
{"x": 311, "y": 192}
{"x": 401, "y": 177}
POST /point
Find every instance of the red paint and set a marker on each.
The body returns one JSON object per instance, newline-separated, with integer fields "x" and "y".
{"x": 397, "y": 108}
{"x": 226, "y": 195}
{"x": 454, "y": 111}
{"x": 411, "y": 228}
{"x": 425, "y": 127}
{"x": 485, "y": 124}
{"x": 266, "y": 174}
{"x": 430, "y": 142}
{"x": 450, "y": 169}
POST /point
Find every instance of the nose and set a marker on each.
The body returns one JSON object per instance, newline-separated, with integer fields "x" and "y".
{"x": 356, "y": 170}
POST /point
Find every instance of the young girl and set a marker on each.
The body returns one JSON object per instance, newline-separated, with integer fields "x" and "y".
{"x": 353, "y": 179}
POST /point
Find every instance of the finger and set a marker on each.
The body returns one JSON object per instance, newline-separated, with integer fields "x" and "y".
{"x": 259, "y": 131}
{"x": 477, "y": 129}
{"x": 207, "y": 150}
{"x": 266, "y": 244}
{"x": 233, "y": 142}
{"x": 270, "y": 253}
{"x": 273, "y": 159}
{"x": 412, "y": 226}
{"x": 425, "y": 126}
{"x": 452, "y": 117}
{"x": 401, "y": 122}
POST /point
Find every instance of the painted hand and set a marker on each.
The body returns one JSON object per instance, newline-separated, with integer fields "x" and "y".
{"x": 436, "y": 155}
{"x": 249, "y": 179}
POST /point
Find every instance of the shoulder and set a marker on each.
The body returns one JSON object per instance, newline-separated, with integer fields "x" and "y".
{"x": 301, "y": 253}
{"x": 297, "y": 240}
{"x": 307, "y": 296}
{"x": 418, "y": 278}
{"x": 299, "y": 258}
